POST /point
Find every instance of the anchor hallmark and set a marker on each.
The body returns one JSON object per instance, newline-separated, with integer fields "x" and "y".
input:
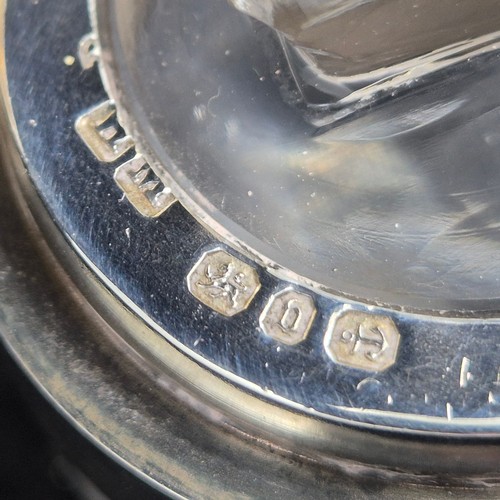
{"x": 370, "y": 341}
{"x": 362, "y": 340}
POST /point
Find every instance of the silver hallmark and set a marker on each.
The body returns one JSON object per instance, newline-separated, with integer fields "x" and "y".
{"x": 99, "y": 130}
{"x": 288, "y": 316}
{"x": 361, "y": 340}
{"x": 88, "y": 51}
{"x": 223, "y": 282}
{"x": 142, "y": 188}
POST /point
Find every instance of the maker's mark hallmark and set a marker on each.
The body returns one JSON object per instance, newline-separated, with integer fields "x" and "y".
{"x": 99, "y": 130}
{"x": 88, "y": 51}
{"x": 288, "y": 316}
{"x": 142, "y": 188}
{"x": 361, "y": 340}
{"x": 222, "y": 282}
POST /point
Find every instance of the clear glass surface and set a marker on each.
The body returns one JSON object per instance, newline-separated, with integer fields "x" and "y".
{"x": 398, "y": 204}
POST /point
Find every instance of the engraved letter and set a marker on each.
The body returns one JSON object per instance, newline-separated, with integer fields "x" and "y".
{"x": 150, "y": 197}
{"x": 102, "y": 140}
{"x": 288, "y": 316}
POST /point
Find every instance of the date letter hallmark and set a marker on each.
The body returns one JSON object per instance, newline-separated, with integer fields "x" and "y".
{"x": 222, "y": 282}
{"x": 288, "y": 316}
{"x": 361, "y": 340}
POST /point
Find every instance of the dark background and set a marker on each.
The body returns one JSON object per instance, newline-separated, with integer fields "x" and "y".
{"x": 32, "y": 464}
{"x": 43, "y": 457}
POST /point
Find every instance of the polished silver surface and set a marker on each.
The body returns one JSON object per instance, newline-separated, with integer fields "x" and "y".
{"x": 182, "y": 352}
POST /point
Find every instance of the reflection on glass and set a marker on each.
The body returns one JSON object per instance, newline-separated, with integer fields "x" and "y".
{"x": 352, "y": 49}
